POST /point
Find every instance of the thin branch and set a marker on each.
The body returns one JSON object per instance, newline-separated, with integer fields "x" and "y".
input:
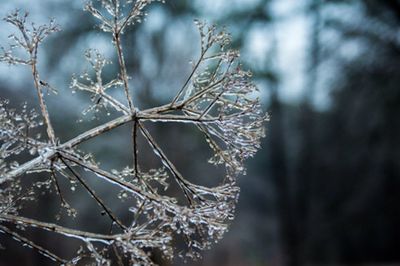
{"x": 139, "y": 211}
{"x": 30, "y": 44}
{"x": 202, "y": 92}
{"x": 135, "y": 149}
{"x": 34, "y": 246}
{"x": 115, "y": 103}
{"x": 92, "y": 133}
{"x": 131, "y": 14}
{"x": 124, "y": 75}
{"x": 177, "y": 118}
{"x": 209, "y": 130}
{"x": 122, "y": 120}
{"x": 108, "y": 98}
{"x": 119, "y": 259}
{"x": 111, "y": 178}
{"x": 211, "y": 105}
{"x": 189, "y": 78}
{"x": 58, "y": 229}
{"x": 57, "y": 186}
{"x": 43, "y": 106}
{"x": 100, "y": 202}
{"x": 158, "y": 151}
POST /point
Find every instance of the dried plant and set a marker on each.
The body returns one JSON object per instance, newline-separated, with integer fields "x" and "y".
{"x": 218, "y": 98}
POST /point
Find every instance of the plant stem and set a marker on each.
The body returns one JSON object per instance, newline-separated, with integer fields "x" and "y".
{"x": 57, "y": 228}
{"x": 43, "y": 106}
{"x": 124, "y": 75}
{"x": 92, "y": 193}
{"x": 31, "y": 244}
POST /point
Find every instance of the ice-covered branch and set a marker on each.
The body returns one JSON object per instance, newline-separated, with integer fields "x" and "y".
{"x": 218, "y": 98}
{"x": 29, "y": 40}
{"x": 32, "y": 245}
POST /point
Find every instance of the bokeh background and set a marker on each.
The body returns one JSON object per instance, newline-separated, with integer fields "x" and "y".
{"x": 323, "y": 189}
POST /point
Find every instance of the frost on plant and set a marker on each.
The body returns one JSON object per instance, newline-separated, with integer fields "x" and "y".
{"x": 218, "y": 98}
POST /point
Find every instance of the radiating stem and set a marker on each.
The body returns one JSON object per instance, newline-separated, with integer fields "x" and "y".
{"x": 135, "y": 149}
{"x": 189, "y": 78}
{"x": 92, "y": 133}
{"x": 124, "y": 74}
{"x": 57, "y": 228}
{"x": 31, "y": 244}
{"x": 92, "y": 193}
{"x": 43, "y": 106}
{"x": 158, "y": 151}
{"x": 112, "y": 178}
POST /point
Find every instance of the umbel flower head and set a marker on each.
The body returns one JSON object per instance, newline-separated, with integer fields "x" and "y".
{"x": 218, "y": 98}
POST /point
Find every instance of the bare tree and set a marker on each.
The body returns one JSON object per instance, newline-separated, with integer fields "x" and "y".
{"x": 218, "y": 98}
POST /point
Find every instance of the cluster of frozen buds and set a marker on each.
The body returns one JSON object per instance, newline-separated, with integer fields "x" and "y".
{"x": 115, "y": 19}
{"x": 218, "y": 98}
{"x": 16, "y": 134}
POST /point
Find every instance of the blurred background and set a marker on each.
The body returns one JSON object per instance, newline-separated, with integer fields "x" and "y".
{"x": 323, "y": 189}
